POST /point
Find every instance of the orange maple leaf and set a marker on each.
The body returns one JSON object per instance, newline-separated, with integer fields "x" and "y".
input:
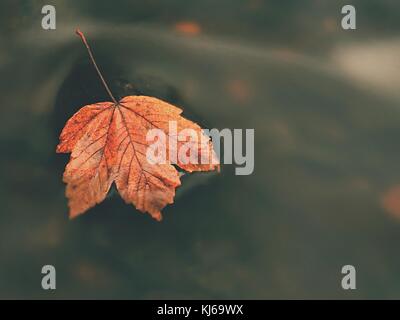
{"x": 107, "y": 142}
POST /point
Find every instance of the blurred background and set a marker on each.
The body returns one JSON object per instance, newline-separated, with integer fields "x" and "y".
{"x": 325, "y": 192}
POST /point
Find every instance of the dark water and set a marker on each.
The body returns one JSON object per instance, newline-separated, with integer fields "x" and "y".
{"x": 325, "y": 106}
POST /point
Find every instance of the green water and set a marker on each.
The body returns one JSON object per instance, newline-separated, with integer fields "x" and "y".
{"x": 326, "y": 116}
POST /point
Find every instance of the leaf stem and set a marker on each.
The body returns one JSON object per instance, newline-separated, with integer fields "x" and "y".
{"x": 82, "y": 36}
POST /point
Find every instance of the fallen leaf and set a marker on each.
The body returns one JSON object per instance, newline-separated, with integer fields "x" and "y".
{"x": 239, "y": 90}
{"x": 391, "y": 201}
{"x": 188, "y": 27}
{"x": 107, "y": 142}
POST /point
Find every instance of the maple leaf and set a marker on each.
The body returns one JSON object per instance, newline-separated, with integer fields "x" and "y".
{"x": 107, "y": 142}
